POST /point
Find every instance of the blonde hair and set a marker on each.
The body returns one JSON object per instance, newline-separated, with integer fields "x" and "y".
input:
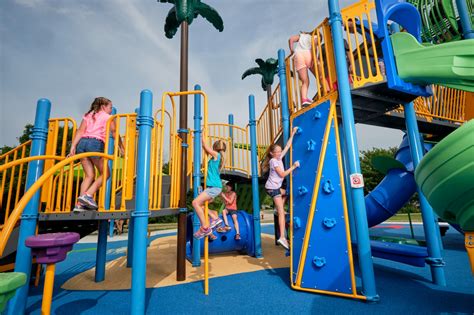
{"x": 268, "y": 157}
{"x": 220, "y": 146}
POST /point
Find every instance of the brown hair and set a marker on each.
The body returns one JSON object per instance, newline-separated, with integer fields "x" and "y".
{"x": 97, "y": 104}
{"x": 219, "y": 146}
{"x": 268, "y": 156}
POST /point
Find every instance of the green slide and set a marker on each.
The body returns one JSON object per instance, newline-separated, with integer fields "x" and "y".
{"x": 449, "y": 64}
{"x": 446, "y": 177}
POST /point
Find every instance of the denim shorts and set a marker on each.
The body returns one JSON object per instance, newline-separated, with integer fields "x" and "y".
{"x": 90, "y": 145}
{"x": 274, "y": 192}
{"x": 213, "y": 192}
{"x": 232, "y": 211}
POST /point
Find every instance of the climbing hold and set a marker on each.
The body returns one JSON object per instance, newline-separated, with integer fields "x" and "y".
{"x": 311, "y": 145}
{"x": 317, "y": 115}
{"x": 302, "y": 190}
{"x": 299, "y": 130}
{"x": 328, "y": 188}
{"x": 319, "y": 261}
{"x": 329, "y": 222}
{"x": 296, "y": 223}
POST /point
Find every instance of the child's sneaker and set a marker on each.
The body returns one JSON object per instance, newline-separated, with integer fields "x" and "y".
{"x": 212, "y": 237}
{"x": 237, "y": 237}
{"x": 306, "y": 102}
{"x": 215, "y": 223}
{"x": 223, "y": 229}
{"x": 283, "y": 242}
{"x": 87, "y": 201}
{"x": 79, "y": 208}
{"x": 202, "y": 232}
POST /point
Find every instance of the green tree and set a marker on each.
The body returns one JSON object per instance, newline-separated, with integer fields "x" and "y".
{"x": 267, "y": 69}
{"x": 26, "y": 133}
{"x": 372, "y": 177}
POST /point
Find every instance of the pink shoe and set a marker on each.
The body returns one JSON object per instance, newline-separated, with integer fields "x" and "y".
{"x": 202, "y": 232}
{"x": 306, "y": 102}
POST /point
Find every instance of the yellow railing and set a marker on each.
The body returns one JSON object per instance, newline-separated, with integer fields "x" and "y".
{"x": 446, "y": 104}
{"x": 269, "y": 122}
{"x": 12, "y": 183}
{"x": 14, "y": 216}
{"x": 361, "y": 47}
{"x": 59, "y": 137}
{"x": 237, "y": 140}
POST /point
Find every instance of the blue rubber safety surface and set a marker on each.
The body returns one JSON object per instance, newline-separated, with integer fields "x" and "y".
{"x": 402, "y": 288}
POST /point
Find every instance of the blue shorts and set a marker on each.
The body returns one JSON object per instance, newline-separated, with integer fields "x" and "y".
{"x": 90, "y": 145}
{"x": 213, "y": 192}
{"x": 231, "y": 211}
{"x": 274, "y": 192}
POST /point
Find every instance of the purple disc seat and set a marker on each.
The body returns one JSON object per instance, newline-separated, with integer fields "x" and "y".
{"x": 51, "y": 248}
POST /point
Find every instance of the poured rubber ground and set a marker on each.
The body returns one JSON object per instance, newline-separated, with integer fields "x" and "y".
{"x": 402, "y": 289}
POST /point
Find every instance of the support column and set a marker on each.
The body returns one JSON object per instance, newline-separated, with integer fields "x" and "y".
{"x": 357, "y": 191}
{"x": 255, "y": 190}
{"x": 429, "y": 225}
{"x": 101, "y": 255}
{"x": 29, "y": 217}
{"x": 467, "y": 31}
{"x": 231, "y": 136}
{"x": 197, "y": 172}
{"x": 141, "y": 213}
{"x": 285, "y": 113}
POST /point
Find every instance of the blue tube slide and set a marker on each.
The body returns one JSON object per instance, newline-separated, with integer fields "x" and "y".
{"x": 225, "y": 242}
{"x": 394, "y": 190}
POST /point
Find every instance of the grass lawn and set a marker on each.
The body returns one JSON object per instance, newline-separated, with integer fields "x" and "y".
{"x": 403, "y": 217}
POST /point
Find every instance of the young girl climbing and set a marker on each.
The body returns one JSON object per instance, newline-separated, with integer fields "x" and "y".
{"x": 277, "y": 174}
{"x": 90, "y": 137}
{"x": 214, "y": 187}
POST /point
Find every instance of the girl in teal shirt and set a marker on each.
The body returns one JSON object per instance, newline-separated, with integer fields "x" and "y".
{"x": 214, "y": 187}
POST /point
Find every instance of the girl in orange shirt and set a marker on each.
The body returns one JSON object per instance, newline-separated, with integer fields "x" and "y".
{"x": 230, "y": 199}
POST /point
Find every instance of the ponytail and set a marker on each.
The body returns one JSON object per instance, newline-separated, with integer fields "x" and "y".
{"x": 220, "y": 146}
{"x": 266, "y": 162}
{"x": 97, "y": 105}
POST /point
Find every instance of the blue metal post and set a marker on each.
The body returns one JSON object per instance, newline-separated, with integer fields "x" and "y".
{"x": 101, "y": 255}
{"x": 141, "y": 213}
{"x": 285, "y": 113}
{"x": 467, "y": 31}
{"x": 197, "y": 172}
{"x": 429, "y": 225}
{"x": 231, "y": 136}
{"x": 131, "y": 224}
{"x": 30, "y": 213}
{"x": 345, "y": 166}
{"x": 362, "y": 228}
{"x": 255, "y": 190}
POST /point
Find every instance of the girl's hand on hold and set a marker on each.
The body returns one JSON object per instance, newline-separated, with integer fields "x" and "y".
{"x": 294, "y": 131}
{"x": 296, "y": 164}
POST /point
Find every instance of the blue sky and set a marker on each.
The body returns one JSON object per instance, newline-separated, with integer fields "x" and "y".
{"x": 73, "y": 51}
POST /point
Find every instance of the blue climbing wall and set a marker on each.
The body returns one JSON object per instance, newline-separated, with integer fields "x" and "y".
{"x": 318, "y": 206}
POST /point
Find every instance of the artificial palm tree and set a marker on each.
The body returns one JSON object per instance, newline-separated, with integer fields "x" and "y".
{"x": 267, "y": 69}
{"x": 183, "y": 13}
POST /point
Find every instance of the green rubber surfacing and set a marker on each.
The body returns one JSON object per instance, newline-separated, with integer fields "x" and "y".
{"x": 446, "y": 177}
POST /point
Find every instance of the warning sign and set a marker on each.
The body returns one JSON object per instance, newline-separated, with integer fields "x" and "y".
{"x": 357, "y": 180}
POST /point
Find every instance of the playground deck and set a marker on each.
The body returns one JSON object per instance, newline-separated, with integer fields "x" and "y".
{"x": 402, "y": 289}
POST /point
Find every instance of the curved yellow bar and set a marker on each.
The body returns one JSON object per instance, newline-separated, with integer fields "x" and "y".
{"x": 15, "y": 215}
{"x": 29, "y": 159}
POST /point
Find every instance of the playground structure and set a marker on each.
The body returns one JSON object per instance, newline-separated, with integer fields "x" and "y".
{"x": 138, "y": 187}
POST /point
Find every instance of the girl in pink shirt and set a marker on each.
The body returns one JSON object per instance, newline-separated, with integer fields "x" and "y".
{"x": 90, "y": 137}
{"x": 274, "y": 164}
